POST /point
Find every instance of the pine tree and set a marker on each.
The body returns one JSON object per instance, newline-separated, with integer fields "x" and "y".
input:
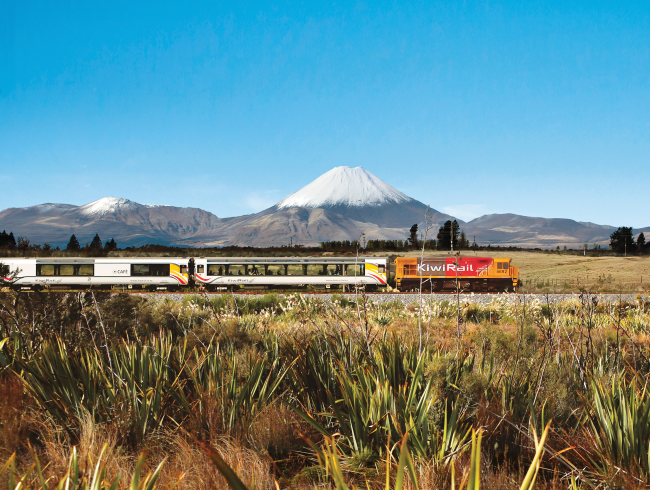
{"x": 640, "y": 242}
{"x": 110, "y": 245}
{"x": 96, "y": 244}
{"x": 413, "y": 236}
{"x": 73, "y": 244}
{"x": 622, "y": 240}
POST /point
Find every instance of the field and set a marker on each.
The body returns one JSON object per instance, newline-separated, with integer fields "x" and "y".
{"x": 296, "y": 392}
{"x": 561, "y": 271}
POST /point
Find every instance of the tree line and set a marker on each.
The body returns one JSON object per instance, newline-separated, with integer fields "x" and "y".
{"x": 22, "y": 244}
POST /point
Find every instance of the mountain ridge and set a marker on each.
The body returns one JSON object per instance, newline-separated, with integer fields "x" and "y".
{"x": 341, "y": 204}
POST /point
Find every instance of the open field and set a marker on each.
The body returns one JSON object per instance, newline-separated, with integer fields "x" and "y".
{"x": 299, "y": 392}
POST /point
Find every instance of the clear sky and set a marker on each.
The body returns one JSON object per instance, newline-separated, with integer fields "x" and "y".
{"x": 535, "y": 108}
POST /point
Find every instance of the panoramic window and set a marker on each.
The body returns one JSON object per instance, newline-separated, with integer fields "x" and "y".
{"x": 315, "y": 270}
{"x": 86, "y": 270}
{"x": 158, "y": 270}
{"x": 294, "y": 270}
{"x": 275, "y": 270}
{"x": 359, "y": 270}
{"x": 216, "y": 269}
{"x": 236, "y": 270}
{"x": 44, "y": 269}
{"x": 66, "y": 270}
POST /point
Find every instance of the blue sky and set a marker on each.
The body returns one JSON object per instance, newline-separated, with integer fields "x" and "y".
{"x": 534, "y": 108}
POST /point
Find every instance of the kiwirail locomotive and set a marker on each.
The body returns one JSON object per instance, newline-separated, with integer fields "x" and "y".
{"x": 480, "y": 274}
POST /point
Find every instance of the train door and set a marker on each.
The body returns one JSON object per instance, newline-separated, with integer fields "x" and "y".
{"x": 201, "y": 271}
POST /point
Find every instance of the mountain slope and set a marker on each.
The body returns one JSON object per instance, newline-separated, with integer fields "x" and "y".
{"x": 130, "y": 223}
{"x": 339, "y": 205}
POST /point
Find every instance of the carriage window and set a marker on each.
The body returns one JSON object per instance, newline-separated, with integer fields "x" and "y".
{"x": 200, "y": 268}
{"x": 216, "y": 269}
{"x": 314, "y": 270}
{"x": 139, "y": 270}
{"x": 382, "y": 268}
{"x": 356, "y": 269}
{"x": 334, "y": 270}
{"x": 150, "y": 270}
{"x": 183, "y": 269}
{"x": 4, "y": 270}
{"x": 275, "y": 270}
{"x": 85, "y": 270}
{"x": 236, "y": 270}
{"x": 66, "y": 270}
{"x": 255, "y": 270}
{"x": 294, "y": 270}
{"x": 44, "y": 270}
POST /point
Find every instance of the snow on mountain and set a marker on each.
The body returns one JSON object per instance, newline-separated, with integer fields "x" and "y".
{"x": 345, "y": 186}
{"x": 108, "y": 205}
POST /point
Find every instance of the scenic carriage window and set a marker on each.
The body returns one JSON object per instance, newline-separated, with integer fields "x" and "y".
{"x": 85, "y": 270}
{"x": 356, "y": 269}
{"x": 66, "y": 270}
{"x": 158, "y": 270}
{"x": 217, "y": 269}
{"x": 294, "y": 270}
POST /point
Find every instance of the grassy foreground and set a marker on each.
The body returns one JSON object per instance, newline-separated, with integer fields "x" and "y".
{"x": 113, "y": 391}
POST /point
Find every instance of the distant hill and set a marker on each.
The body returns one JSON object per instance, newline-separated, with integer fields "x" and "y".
{"x": 339, "y": 205}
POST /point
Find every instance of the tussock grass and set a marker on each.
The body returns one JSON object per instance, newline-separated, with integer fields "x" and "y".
{"x": 302, "y": 393}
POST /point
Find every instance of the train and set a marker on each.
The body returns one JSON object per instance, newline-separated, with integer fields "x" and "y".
{"x": 254, "y": 273}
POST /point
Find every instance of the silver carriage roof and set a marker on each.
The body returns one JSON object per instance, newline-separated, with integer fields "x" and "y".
{"x": 293, "y": 260}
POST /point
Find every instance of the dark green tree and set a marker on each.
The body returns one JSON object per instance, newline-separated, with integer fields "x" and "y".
{"x": 96, "y": 243}
{"x": 110, "y": 245}
{"x": 622, "y": 240}
{"x": 640, "y": 242}
{"x": 413, "y": 236}
{"x": 73, "y": 244}
{"x": 448, "y": 234}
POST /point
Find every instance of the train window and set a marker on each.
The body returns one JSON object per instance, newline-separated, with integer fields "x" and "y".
{"x": 150, "y": 270}
{"x": 4, "y": 270}
{"x": 275, "y": 270}
{"x": 140, "y": 270}
{"x": 294, "y": 270}
{"x": 66, "y": 270}
{"x": 159, "y": 269}
{"x": 44, "y": 269}
{"x": 356, "y": 270}
{"x": 200, "y": 268}
{"x": 85, "y": 270}
{"x": 381, "y": 268}
{"x": 236, "y": 270}
{"x": 314, "y": 270}
{"x": 255, "y": 270}
{"x": 334, "y": 270}
{"x": 216, "y": 269}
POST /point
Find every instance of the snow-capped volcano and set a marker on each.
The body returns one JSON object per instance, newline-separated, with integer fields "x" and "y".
{"x": 344, "y": 186}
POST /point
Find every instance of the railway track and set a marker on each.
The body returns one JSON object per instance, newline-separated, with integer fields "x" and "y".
{"x": 407, "y": 298}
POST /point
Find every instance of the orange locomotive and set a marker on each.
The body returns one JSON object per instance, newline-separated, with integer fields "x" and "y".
{"x": 440, "y": 274}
